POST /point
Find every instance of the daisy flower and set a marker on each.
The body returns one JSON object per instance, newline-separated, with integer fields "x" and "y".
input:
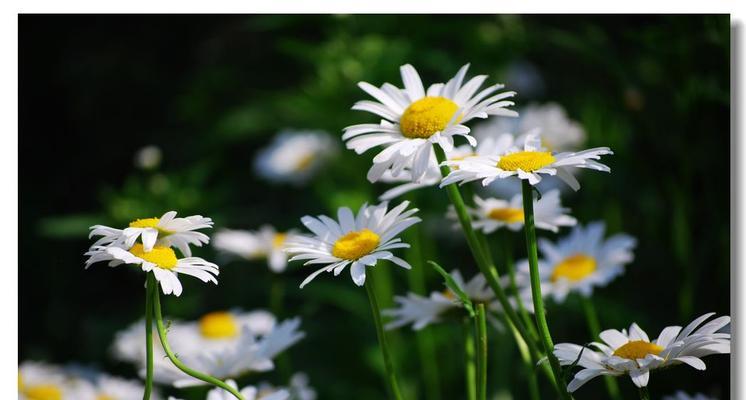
{"x": 37, "y": 380}
{"x": 295, "y": 156}
{"x": 415, "y": 119}
{"x": 248, "y": 393}
{"x": 252, "y": 245}
{"x": 580, "y": 261}
{"x": 491, "y": 214}
{"x": 114, "y": 388}
{"x": 681, "y": 395}
{"x": 161, "y": 260}
{"x": 358, "y": 241}
{"x": 633, "y": 354}
{"x": 529, "y": 163}
{"x": 164, "y": 231}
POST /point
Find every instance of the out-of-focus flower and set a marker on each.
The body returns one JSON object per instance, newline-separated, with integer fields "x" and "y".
{"x": 528, "y": 163}
{"x": 491, "y": 214}
{"x": 295, "y": 156}
{"x": 248, "y": 393}
{"x": 681, "y": 395}
{"x": 635, "y": 355}
{"x": 414, "y": 119}
{"x": 359, "y": 240}
{"x": 252, "y": 245}
{"x": 579, "y": 262}
{"x": 41, "y": 381}
{"x": 224, "y": 344}
{"x": 164, "y": 231}
{"x": 161, "y": 260}
{"x": 148, "y": 157}
{"x": 108, "y": 387}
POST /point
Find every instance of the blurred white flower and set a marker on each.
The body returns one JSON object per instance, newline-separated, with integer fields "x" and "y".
{"x": 681, "y": 395}
{"x": 295, "y": 156}
{"x": 248, "y": 393}
{"x": 414, "y": 119}
{"x": 114, "y": 388}
{"x": 579, "y": 261}
{"x": 634, "y": 354}
{"x": 148, "y": 157}
{"x": 37, "y": 381}
{"x": 359, "y": 240}
{"x": 252, "y": 245}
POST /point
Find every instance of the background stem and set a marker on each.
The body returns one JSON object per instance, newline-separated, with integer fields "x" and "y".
{"x": 533, "y": 383}
{"x": 469, "y": 360}
{"x": 149, "y": 288}
{"x": 480, "y": 323}
{"x": 387, "y": 362}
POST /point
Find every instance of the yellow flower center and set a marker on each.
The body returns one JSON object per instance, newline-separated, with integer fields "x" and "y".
{"x": 278, "y": 240}
{"x": 574, "y": 268}
{"x": 218, "y": 325}
{"x": 355, "y": 244}
{"x": 161, "y": 256}
{"x": 448, "y": 294}
{"x": 426, "y": 116}
{"x": 637, "y": 349}
{"x": 149, "y": 223}
{"x": 43, "y": 392}
{"x": 305, "y": 162}
{"x": 104, "y": 397}
{"x": 507, "y": 215}
{"x": 525, "y": 160}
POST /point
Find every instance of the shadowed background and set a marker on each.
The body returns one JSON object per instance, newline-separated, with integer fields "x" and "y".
{"x": 212, "y": 90}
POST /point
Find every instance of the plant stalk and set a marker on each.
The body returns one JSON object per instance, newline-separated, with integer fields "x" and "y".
{"x": 393, "y": 386}
{"x": 591, "y": 316}
{"x": 150, "y": 286}
{"x": 480, "y": 323}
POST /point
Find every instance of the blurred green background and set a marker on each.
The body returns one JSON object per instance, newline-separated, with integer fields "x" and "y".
{"x": 212, "y": 90}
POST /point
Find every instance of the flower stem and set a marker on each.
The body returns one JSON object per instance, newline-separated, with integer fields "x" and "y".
{"x": 510, "y": 266}
{"x": 171, "y": 356}
{"x": 594, "y": 326}
{"x": 487, "y": 269}
{"x": 149, "y": 288}
{"x": 644, "y": 394}
{"x": 480, "y": 323}
{"x": 533, "y": 383}
{"x": 533, "y": 261}
{"x": 470, "y": 370}
{"x": 387, "y": 362}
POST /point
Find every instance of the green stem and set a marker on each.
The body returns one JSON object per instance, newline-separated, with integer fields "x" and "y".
{"x": 150, "y": 286}
{"x": 644, "y": 394}
{"x": 171, "y": 356}
{"x": 533, "y": 261}
{"x": 469, "y": 359}
{"x": 510, "y": 266}
{"x": 387, "y": 362}
{"x": 480, "y": 323}
{"x": 591, "y": 316}
{"x": 487, "y": 269}
{"x": 533, "y": 383}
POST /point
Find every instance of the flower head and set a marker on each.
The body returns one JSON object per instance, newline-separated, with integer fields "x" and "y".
{"x": 168, "y": 230}
{"x": 358, "y": 241}
{"x": 415, "y": 119}
{"x": 295, "y": 156}
{"x": 528, "y": 163}
{"x": 41, "y": 381}
{"x": 265, "y": 243}
{"x": 633, "y": 354}
{"x": 580, "y": 261}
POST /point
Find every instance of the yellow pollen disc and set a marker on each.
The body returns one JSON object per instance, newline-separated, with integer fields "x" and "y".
{"x": 426, "y": 116}
{"x": 637, "y": 349}
{"x": 507, "y": 215}
{"x": 305, "y": 162}
{"x": 279, "y": 239}
{"x": 218, "y": 325}
{"x": 574, "y": 268}
{"x": 104, "y": 397}
{"x": 149, "y": 223}
{"x": 355, "y": 244}
{"x": 525, "y": 160}
{"x": 161, "y": 256}
{"x": 43, "y": 392}
{"x": 448, "y": 294}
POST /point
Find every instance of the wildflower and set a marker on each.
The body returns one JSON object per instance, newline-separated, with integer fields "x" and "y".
{"x": 295, "y": 156}
{"x": 251, "y": 245}
{"x": 37, "y": 380}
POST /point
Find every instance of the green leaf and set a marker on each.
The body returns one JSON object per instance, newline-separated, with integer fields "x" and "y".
{"x": 455, "y": 288}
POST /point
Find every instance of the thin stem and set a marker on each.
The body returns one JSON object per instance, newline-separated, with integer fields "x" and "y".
{"x": 533, "y": 383}
{"x": 171, "y": 356}
{"x": 541, "y": 320}
{"x": 387, "y": 362}
{"x": 481, "y": 332}
{"x": 510, "y": 266}
{"x": 591, "y": 316}
{"x": 469, "y": 360}
{"x": 487, "y": 269}
{"x": 644, "y": 394}
{"x": 149, "y": 288}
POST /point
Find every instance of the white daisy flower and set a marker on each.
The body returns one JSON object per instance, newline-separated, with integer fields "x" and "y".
{"x": 681, "y": 395}
{"x": 115, "y": 388}
{"x": 300, "y": 388}
{"x": 295, "y": 156}
{"x": 415, "y": 119}
{"x": 37, "y": 380}
{"x": 359, "y": 240}
{"x": 558, "y": 131}
{"x": 252, "y": 245}
{"x": 248, "y": 393}
{"x": 433, "y": 176}
{"x": 161, "y": 260}
{"x": 634, "y": 354}
{"x": 421, "y": 311}
{"x": 579, "y": 262}
{"x": 491, "y": 214}
{"x": 528, "y": 163}
{"x": 164, "y": 231}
